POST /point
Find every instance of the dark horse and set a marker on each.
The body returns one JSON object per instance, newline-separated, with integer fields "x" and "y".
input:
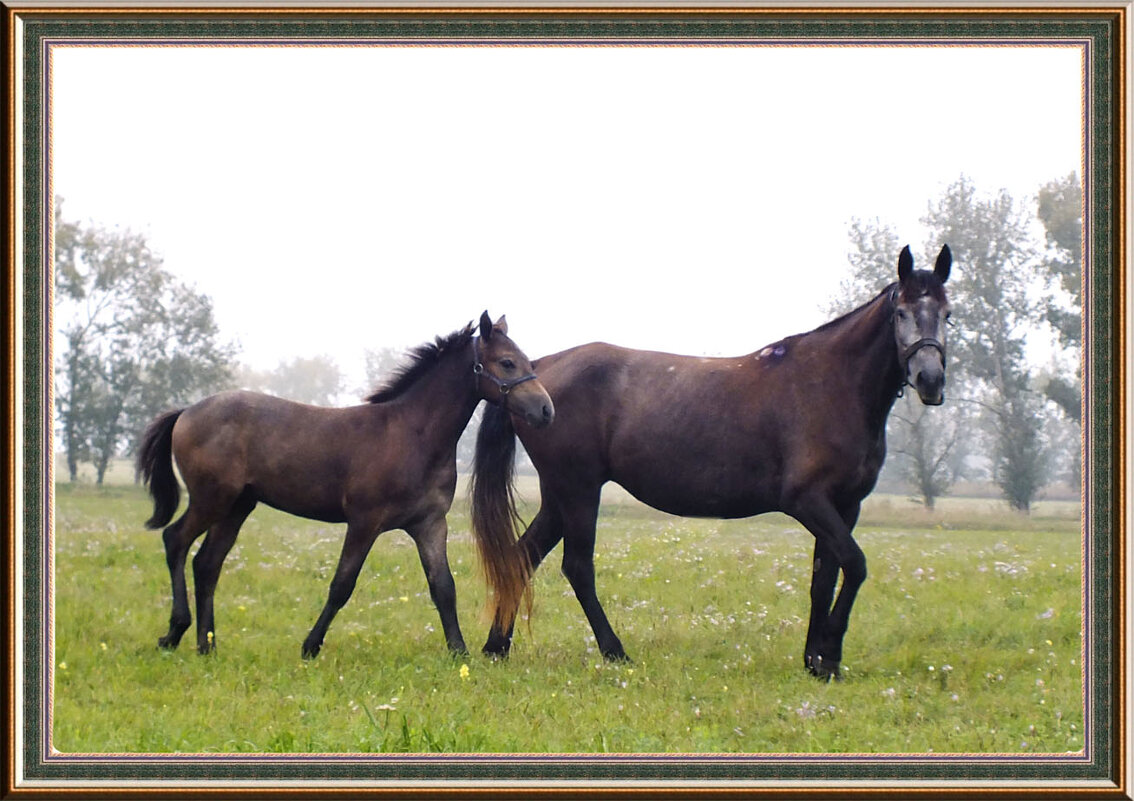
{"x": 798, "y": 426}
{"x": 390, "y": 463}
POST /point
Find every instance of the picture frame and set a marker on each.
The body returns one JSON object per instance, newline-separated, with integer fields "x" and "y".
{"x": 32, "y": 768}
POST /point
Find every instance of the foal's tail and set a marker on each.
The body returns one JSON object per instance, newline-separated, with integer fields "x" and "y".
{"x": 155, "y": 466}
{"x": 495, "y": 521}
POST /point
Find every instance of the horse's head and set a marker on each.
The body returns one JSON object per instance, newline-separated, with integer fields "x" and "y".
{"x": 504, "y": 375}
{"x": 920, "y": 314}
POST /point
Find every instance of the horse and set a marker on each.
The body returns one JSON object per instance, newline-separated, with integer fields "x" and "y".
{"x": 797, "y": 426}
{"x": 387, "y": 464}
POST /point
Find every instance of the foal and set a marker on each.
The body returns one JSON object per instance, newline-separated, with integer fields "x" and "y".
{"x": 387, "y": 464}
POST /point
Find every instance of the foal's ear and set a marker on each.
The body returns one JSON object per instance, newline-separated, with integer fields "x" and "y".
{"x": 485, "y": 326}
{"x": 905, "y": 264}
{"x": 944, "y": 262}
{"x": 501, "y": 325}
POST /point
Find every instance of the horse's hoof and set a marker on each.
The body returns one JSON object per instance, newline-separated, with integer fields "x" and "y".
{"x": 618, "y": 656}
{"x": 822, "y": 669}
{"x": 311, "y": 651}
{"x": 167, "y": 643}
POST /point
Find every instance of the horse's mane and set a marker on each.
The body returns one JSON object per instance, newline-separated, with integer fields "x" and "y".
{"x": 838, "y": 321}
{"x": 919, "y": 282}
{"x": 422, "y": 359}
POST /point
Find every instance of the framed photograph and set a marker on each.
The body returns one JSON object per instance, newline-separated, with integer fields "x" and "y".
{"x": 287, "y": 199}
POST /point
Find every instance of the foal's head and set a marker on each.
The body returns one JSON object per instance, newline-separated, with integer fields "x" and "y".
{"x": 920, "y": 313}
{"x": 505, "y": 376}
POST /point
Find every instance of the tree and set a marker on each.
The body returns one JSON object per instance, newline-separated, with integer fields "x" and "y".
{"x": 317, "y": 380}
{"x": 1059, "y": 206}
{"x": 989, "y": 237}
{"x": 924, "y": 441}
{"x": 136, "y": 341}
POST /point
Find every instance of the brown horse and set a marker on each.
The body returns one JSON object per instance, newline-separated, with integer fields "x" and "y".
{"x": 798, "y": 426}
{"x": 390, "y": 463}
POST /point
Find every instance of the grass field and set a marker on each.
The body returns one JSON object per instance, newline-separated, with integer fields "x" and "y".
{"x": 965, "y": 638}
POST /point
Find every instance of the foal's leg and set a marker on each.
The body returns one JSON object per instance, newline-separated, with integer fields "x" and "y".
{"x": 357, "y": 544}
{"x": 178, "y": 537}
{"x": 207, "y": 566}
{"x": 820, "y": 517}
{"x": 579, "y": 518}
{"x": 543, "y": 534}
{"x": 430, "y": 537}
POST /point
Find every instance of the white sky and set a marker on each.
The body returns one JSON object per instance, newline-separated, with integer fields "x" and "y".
{"x": 690, "y": 199}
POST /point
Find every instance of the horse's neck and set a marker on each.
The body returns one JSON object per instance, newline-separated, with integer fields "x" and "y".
{"x": 869, "y": 341}
{"x": 442, "y": 401}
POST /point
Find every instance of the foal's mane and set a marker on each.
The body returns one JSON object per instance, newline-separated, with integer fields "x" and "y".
{"x": 422, "y": 359}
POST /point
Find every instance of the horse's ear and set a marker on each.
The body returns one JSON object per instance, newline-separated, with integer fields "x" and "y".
{"x": 485, "y": 326}
{"x": 905, "y": 264}
{"x": 501, "y": 325}
{"x": 944, "y": 262}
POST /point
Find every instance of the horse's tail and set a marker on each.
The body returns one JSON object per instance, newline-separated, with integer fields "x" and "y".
{"x": 495, "y": 521}
{"x": 155, "y": 466}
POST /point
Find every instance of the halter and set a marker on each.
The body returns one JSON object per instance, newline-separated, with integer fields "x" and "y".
{"x": 924, "y": 342}
{"x": 908, "y": 353}
{"x": 504, "y": 386}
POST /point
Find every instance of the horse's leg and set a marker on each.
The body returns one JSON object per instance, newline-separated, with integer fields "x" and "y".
{"x": 207, "y": 566}
{"x": 430, "y": 537}
{"x": 543, "y": 534}
{"x": 833, "y": 536}
{"x": 579, "y": 517}
{"x": 357, "y": 544}
{"x": 824, "y": 577}
{"x": 178, "y": 537}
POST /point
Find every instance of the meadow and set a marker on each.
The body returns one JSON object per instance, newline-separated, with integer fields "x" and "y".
{"x": 966, "y": 638}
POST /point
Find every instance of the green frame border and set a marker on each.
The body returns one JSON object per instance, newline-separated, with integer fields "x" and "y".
{"x": 1102, "y": 32}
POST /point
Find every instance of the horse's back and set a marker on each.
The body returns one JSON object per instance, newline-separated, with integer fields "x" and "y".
{"x": 662, "y": 425}
{"x": 289, "y": 455}
{"x": 694, "y": 436}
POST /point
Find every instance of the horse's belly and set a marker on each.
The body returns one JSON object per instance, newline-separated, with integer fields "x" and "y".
{"x": 709, "y": 494}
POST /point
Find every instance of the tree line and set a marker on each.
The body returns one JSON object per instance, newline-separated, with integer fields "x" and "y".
{"x": 132, "y": 341}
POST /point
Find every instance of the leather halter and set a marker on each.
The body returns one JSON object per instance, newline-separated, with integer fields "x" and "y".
{"x": 908, "y": 352}
{"x": 925, "y": 342}
{"x": 503, "y": 386}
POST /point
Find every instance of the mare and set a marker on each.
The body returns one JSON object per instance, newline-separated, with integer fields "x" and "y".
{"x": 386, "y": 464}
{"x": 797, "y": 426}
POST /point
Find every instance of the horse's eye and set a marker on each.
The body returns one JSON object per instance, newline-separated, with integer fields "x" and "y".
{"x": 507, "y": 364}
{"x": 903, "y": 314}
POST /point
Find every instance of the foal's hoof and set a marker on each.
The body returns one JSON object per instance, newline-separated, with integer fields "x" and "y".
{"x": 618, "y": 656}
{"x": 167, "y": 643}
{"x": 310, "y": 651}
{"x": 496, "y": 650}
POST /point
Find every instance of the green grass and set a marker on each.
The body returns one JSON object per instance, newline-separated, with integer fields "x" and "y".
{"x": 965, "y": 638}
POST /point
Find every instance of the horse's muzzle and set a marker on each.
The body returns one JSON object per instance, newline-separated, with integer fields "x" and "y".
{"x": 930, "y": 387}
